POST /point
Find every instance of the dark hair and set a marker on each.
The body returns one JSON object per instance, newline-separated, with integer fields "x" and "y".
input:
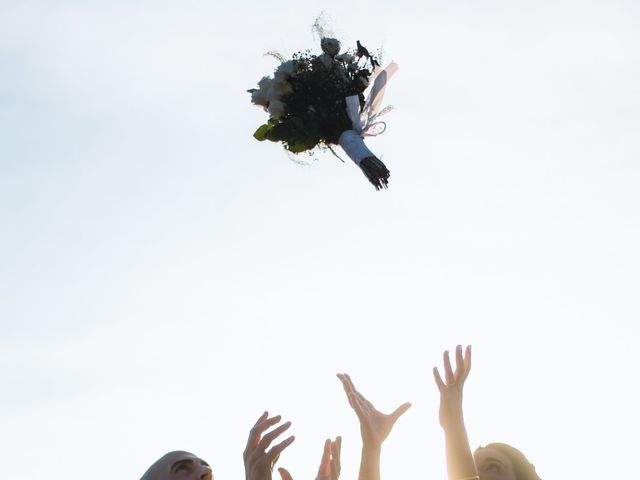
{"x": 523, "y": 469}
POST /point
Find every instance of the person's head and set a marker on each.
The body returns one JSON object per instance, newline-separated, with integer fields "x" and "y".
{"x": 179, "y": 465}
{"x": 499, "y": 461}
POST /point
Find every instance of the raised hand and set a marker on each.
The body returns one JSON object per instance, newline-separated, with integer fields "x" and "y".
{"x": 460, "y": 464}
{"x": 451, "y": 388}
{"x": 258, "y": 462}
{"x": 375, "y": 426}
{"x": 329, "y": 465}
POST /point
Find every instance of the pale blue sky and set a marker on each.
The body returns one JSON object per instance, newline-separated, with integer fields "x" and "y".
{"x": 164, "y": 277}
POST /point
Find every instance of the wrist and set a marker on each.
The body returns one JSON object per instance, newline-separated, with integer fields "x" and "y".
{"x": 370, "y": 448}
{"x": 453, "y": 422}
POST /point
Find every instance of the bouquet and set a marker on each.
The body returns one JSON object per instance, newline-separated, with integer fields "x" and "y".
{"x": 318, "y": 101}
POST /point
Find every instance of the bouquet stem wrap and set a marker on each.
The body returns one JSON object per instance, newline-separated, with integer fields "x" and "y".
{"x": 354, "y": 146}
{"x": 366, "y": 124}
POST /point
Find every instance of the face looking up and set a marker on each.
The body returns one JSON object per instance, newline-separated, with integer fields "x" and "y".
{"x": 494, "y": 465}
{"x": 179, "y": 466}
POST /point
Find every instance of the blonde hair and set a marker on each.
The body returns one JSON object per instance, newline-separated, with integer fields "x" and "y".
{"x": 523, "y": 468}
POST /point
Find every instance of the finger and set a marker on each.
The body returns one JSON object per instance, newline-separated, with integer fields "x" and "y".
{"x": 459, "y": 363}
{"x": 255, "y": 432}
{"x": 438, "y": 378}
{"x": 395, "y": 415}
{"x": 364, "y": 401}
{"x": 325, "y": 462}
{"x": 360, "y": 410}
{"x": 350, "y": 387}
{"x": 335, "y": 458}
{"x": 448, "y": 373}
{"x": 467, "y": 360}
{"x": 259, "y": 428}
{"x": 347, "y": 378}
{"x": 262, "y": 418}
{"x": 272, "y": 435}
{"x": 347, "y": 388}
{"x": 273, "y": 454}
{"x": 348, "y": 383}
{"x": 367, "y": 406}
{"x": 335, "y": 469}
{"x": 336, "y": 446}
{"x": 284, "y": 474}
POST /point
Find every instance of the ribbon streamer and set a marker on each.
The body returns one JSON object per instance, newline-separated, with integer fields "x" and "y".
{"x": 365, "y": 122}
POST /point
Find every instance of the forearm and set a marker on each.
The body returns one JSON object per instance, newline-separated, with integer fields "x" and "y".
{"x": 460, "y": 463}
{"x": 370, "y": 462}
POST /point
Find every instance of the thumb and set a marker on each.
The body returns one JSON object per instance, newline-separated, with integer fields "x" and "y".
{"x": 284, "y": 473}
{"x": 400, "y": 410}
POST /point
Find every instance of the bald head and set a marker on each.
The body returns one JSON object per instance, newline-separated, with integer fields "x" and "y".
{"x": 179, "y": 465}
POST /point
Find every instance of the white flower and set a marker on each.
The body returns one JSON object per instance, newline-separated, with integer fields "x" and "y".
{"x": 276, "y": 109}
{"x": 330, "y": 46}
{"x": 261, "y": 95}
{"x": 346, "y": 58}
{"x": 287, "y": 68}
{"x": 279, "y": 88}
{"x": 326, "y": 60}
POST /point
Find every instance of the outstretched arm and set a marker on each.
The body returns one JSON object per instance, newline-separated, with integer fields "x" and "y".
{"x": 374, "y": 428}
{"x": 460, "y": 464}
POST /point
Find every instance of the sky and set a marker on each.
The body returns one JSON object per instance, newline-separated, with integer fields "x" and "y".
{"x": 165, "y": 278}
